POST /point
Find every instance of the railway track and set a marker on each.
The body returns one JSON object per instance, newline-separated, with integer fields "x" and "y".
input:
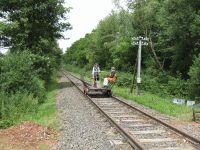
{"x": 141, "y": 130}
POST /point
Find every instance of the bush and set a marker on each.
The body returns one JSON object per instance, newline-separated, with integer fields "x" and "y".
{"x": 194, "y": 80}
{"x": 13, "y": 106}
{"x": 17, "y": 74}
{"x": 178, "y": 87}
{"x": 42, "y": 66}
{"x": 124, "y": 80}
{"x": 163, "y": 83}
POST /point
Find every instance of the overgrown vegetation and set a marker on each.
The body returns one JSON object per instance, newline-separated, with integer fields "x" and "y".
{"x": 15, "y": 106}
{"x": 46, "y": 113}
{"x": 170, "y": 63}
{"x": 195, "y": 78}
{"x": 18, "y": 75}
{"x": 30, "y": 29}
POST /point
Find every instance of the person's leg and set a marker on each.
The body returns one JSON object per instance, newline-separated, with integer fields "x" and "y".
{"x": 98, "y": 85}
{"x": 94, "y": 82}
{"x": 111, "y": 79}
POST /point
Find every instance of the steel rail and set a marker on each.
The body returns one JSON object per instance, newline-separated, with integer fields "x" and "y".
{"x": 189, "y": 137}
{"x": 133, "y": 142}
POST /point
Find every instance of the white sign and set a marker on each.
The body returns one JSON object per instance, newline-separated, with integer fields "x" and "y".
{"x": 138, "y": 80}
{"x": 190, "y": 103}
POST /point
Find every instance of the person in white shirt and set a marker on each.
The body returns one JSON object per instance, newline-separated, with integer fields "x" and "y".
{"x": 95, "y": 74}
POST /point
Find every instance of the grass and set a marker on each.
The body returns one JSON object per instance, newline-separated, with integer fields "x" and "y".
{"x": 159, "y": 103}
{"x": 47, "y": 113}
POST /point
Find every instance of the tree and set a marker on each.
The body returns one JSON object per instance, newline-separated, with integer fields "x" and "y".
{"x": 34, "y": 21}
{"x": 194, "y": 81}
{"x": 172, "y": 28}
{"x": 109, "y": 44}
{"x": 35, "y": 26}
{"x": 179, "y": 21}
{"x": 18, "y": 75}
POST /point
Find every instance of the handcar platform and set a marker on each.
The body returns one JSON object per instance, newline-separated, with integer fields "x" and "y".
{"x": 96, "y": 91}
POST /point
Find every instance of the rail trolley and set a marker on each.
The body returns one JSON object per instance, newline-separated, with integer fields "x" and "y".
{"x": 96, "y": 91}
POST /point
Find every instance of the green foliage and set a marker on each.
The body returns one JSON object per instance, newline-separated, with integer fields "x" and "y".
{"x": 173, "y": 30}
{"x": 164, "y": 84}
{"x": 46, "y": 113}
{"x": 194, "y": 81}
{"x": 17, "y": 74}
{"x": 13, "y": 106}
{"x": 30, "y": 29}
{"x": 42, "y": 66}
{"x": 178, "y": 19}
{"x": 124, "y": 79}
{"x": 22, "y": 106}
{"x": 108, "y": 45}
{"x": 36, "y": 23}
{"x": 35, "y": 27}
{"x": 178, "y": 87}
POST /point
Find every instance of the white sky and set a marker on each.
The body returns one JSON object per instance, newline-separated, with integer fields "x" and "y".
{"x": 84, "y": 17}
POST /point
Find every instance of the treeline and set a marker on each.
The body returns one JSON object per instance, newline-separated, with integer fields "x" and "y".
{"x": 170, "y": 62}
{"x": 30, "y": 29}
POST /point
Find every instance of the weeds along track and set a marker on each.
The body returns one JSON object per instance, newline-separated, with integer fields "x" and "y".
{"x": 141, "y": 130}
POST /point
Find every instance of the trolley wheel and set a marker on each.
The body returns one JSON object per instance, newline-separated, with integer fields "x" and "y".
{"x": 84, "y": 91}
{"x": 109, "y": 93}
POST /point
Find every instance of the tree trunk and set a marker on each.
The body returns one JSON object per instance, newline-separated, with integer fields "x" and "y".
{"x": 154, "y": 53}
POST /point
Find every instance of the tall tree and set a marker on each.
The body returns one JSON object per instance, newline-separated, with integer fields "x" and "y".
{"x": 35, "y": 26}
{"x": 180, "y": 20}
{"x": 34, "y": 22}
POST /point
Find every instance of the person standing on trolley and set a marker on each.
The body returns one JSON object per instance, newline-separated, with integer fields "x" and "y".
{"x": 95, "y": 74}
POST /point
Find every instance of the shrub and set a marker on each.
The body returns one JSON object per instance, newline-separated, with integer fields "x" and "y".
{"x": 13, "y": 106}
{"x": 194, "y": 80}
{"x": 124, "y": 80}
{"x": 163, "y": 83}
{"x": 42, "y": 66}
{"x": 17, "y": 74}
{"x": 177, "y": 86}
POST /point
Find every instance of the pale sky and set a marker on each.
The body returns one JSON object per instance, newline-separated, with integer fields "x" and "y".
{"x": 84, "y": 17}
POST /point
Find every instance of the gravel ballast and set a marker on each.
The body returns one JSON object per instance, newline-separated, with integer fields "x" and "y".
{"x": 83, "y": 127}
